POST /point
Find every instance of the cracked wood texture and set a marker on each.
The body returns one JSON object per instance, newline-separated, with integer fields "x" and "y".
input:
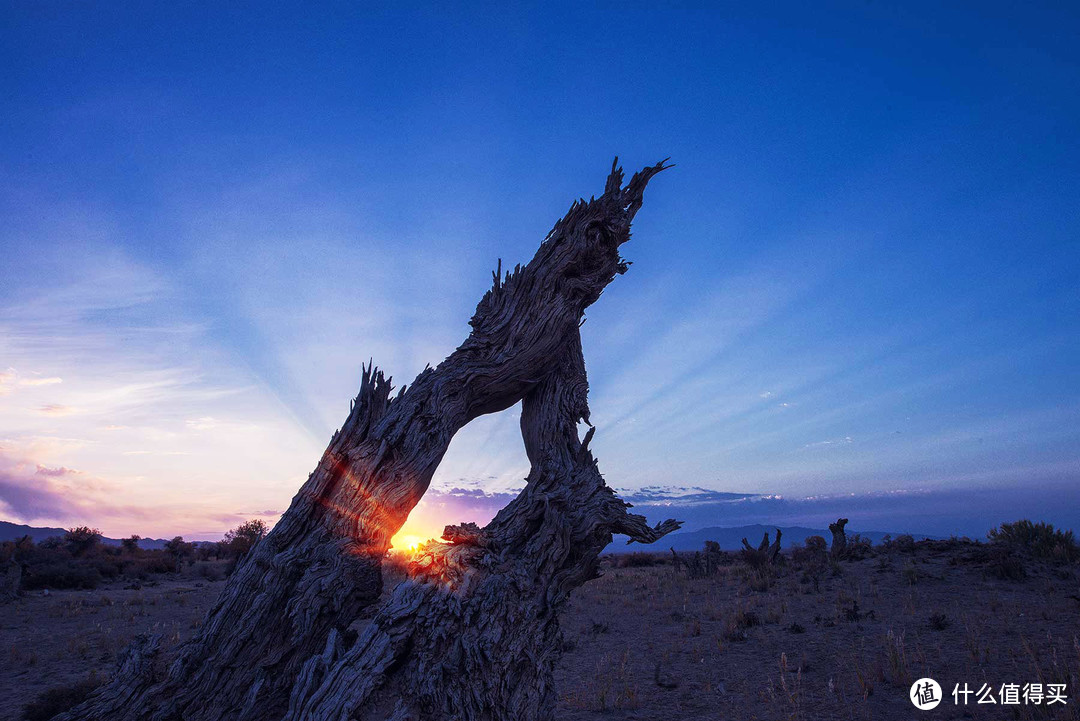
{"x": 474, "y": 634}
{"x": 301, "y": 586}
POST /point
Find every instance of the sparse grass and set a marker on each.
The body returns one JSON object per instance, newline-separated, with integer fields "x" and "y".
{"x": 713, "y": 642}
{"x": 1005, "y": 565}
{"x": 610, "y": 687}
{"x": 896, "y": 660}
{"x": 791, "y": 688}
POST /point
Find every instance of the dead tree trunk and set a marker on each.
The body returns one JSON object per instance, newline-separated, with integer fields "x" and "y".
{"x": 839, "y": 538}
{"x": 320, "y": 566}
{"x": 474, "y": 633}
{"x": 765, "y": 553}
{"x": 774, "y": 549}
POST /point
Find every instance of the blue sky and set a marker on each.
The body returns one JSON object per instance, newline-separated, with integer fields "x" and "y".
{"x": 860, "y": 281}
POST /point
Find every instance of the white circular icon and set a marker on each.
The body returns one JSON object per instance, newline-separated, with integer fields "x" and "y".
{"x": 925, "y": 694}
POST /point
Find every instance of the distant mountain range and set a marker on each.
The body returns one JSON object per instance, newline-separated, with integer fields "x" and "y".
{"x": 730, "y": 539}
{"x": 14, "y": 531}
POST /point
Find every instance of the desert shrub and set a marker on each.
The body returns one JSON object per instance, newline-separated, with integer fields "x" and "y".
{"x": 154, "y": 562}
{"x": 859, "y": 548}
{"x": 52, "y": 543}
{"x": 911, "y": 573}
{"x": 760, "y": 579}
{"x": 59, "y": 699}
{"x": 206, "y": 551}
{"x": 639, "y": 559}
{"x": 951, "y": 544}
{"x": 1006, "y": 565}
{"x": 243, "y": 538}
{"x": 939, "y": 621}
{"x": 82, "y": 541}
{"x": 131, "y": 543}
{"x": 754, "y": 558}
{"x": 180, "y": 550}
{"x": 108, "y": 568}
{"x": 210, "y": 571}
{"x": 815, "y": 544}
{"x": 738, "y": 622}
{"x": 814, "y": 552}
{"x": 61, "y": 575}
{"x": 1040, "y": 539}
{"x": 904, "y": 543}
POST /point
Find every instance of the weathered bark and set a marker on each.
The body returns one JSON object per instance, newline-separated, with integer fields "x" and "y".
{"x": 474, "y": 633}
{"x": 320, "y": 566}
{"x": 839, "y": 538}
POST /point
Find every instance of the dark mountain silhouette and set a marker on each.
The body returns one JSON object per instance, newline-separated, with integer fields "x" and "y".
{"x": 14, "y": 531}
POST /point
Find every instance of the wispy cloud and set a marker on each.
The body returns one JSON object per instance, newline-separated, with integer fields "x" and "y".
{"x": 10, "y": 381}
{"x": 56, "y": 409}
{"x": 146, "y": 406}
{"x": 832, "y": 442}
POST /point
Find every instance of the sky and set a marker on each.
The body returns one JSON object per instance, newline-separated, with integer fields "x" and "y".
{"x": 856, "y": 292}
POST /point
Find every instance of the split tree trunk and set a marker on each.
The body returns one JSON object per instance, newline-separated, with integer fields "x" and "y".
{"x": 474, "y": 634}
{"x": 301, "y": 586}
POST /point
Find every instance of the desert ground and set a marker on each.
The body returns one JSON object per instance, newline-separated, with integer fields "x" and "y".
{"x": 794, "y": 640}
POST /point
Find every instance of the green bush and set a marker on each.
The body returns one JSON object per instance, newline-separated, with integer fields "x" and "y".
{"x": 1040, "y": 539}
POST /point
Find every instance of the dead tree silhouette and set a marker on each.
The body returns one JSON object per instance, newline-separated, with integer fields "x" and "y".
{"x": 473, "y": 633}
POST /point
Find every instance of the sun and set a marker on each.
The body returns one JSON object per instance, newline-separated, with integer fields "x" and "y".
{"x": 406, "y": 542}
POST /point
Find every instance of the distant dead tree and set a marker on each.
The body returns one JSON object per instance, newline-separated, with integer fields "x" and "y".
{"x": 473, "y": 632}
{"x": 839, "y": 538}
{"x": 699, "y": 564}
{"x": 765, "y": 554}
